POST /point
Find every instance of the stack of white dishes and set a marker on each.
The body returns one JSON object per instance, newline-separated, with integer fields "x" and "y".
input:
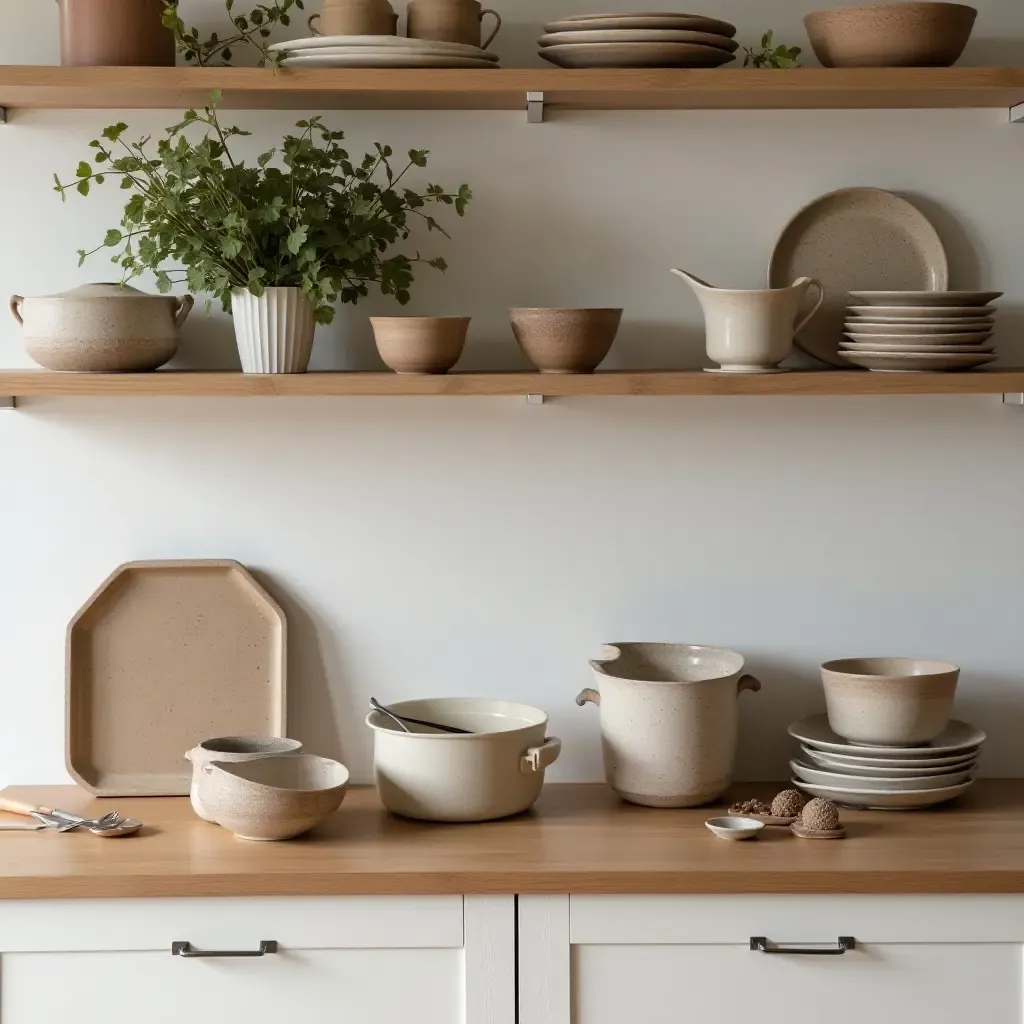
{"x": 638, "y": 41}
{"x": 919, "y": 330}
{"x": 382, "y": 52}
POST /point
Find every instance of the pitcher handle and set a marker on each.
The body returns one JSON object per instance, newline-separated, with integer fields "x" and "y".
{"x": 16, "y": 301}
{"x": 185, "y": 304}
{"x": 588, "y": 696}
{"x": 497, "y": 26}
{"x": 536, "y": 759}
{"x": 309, "y": 23}
{"x": 748, "y": 682}
{"x": 812, "y": 283}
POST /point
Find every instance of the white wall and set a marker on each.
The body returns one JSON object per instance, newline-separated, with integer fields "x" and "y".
{"x": 461, "y": 546}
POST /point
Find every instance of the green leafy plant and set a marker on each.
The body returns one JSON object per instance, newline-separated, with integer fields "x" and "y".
{"x": 251, "y": 29}
{"x": 770, "y": 56}
{"x": 318, "y": 222}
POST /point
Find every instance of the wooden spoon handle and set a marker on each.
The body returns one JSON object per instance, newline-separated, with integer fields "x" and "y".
{"x": 17, "y": 807}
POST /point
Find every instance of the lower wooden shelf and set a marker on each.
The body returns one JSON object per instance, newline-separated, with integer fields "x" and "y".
{"x": 38, "y": 383}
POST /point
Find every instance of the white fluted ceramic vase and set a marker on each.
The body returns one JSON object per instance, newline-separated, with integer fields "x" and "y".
{"x": 274, "y": 330}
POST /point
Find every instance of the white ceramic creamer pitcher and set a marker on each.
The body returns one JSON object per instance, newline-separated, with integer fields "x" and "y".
{"x": 669, "y": 720}
{"x": 751, "y": 331}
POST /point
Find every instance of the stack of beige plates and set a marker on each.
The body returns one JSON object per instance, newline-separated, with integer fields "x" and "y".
{"x": 638, "y": 41}
{"x": 919, "y": 330}
{"x": 890, "y": 778}
{"x": 382, "y": 52}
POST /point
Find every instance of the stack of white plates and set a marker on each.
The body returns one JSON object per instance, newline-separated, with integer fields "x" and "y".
{"x": 919, "y": 330}
{"x": 382, "y": 52}
{"x": 638, "y": 41}
{"x": 885, "y": 777}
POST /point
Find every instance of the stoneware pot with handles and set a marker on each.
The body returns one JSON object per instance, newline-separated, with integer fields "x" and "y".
{"x": 669, "y": 720}
{"x": 354, "y": 18}
{"x": 494, "y": 770}
{"x": 450, "y": 21}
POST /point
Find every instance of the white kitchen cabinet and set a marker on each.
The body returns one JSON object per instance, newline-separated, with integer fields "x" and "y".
{"x": 663, "y": 960}
{"x": 364, "y": 960}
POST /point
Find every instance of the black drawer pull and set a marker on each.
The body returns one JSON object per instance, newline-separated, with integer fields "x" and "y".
{"x": 185, "y": 949}
{"x": 759, "y": 944}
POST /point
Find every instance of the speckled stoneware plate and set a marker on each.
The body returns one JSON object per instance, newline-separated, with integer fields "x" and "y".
{"x": 895, "y": 784}
{"x": 907, "y": 362}
{"x": 638, "y": 35}
{"x": 636, "y": 55}
{"x": 694, "y": 22}
{"x": 885, "y": 800}
{"x": 957, "y": 737}
{"x": 851, "y": 239}
{"x": 926, "y": 298}
{"x": 379, "y": 43}
{"x": 919, "y": 314}
{"x": 162, "y": 656}
{"x": 926, "y": 330}
{"x": 894, "y": 769}
{"x": 912, "y": 347}
{"x": 905, "y": 763}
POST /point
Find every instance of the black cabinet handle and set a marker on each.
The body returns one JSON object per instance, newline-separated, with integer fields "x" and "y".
{"x": 759, "y": 944}
{"x": 185, "y": 949}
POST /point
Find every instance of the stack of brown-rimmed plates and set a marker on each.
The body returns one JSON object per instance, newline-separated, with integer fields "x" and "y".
{"x": 919, "y": 330}
{"x": 664, "y": 40}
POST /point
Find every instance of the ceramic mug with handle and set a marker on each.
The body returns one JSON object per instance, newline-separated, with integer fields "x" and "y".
{"x": 354, "y": 18}
{"x": 450, "y": 21}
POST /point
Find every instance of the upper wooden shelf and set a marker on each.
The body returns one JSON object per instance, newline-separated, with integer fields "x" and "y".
{"x": 24, "y": 87}
{"x": 39, "y": 383}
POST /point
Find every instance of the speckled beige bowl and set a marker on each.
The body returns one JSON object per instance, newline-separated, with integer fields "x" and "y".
{"x": 275, "y": 797}
{"x": 565, "y": 340}
{"x": 420, "y": 344}
{"x": 890, "y": 35}
{"x": 895, "y": 702}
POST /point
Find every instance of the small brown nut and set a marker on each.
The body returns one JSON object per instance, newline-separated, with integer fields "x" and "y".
{"x": 788, "y": 804}
{"x": 820, "y": 814}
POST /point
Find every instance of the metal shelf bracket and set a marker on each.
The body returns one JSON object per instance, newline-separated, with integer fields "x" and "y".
{"x": 539, "y": 399}
{"x": 1013, "y": 398}
{"x": 8, "y": 402}
{"x": 1017, "y": 114}
{"x": 535, "y": 108}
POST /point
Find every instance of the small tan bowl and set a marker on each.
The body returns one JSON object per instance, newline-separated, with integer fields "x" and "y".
{"x": 891, "y": 35}
{"x": 894, "y": 702}
{"x": 565, "y": 340}
{"x": 420, "y": 344}
{"x": 275, "y": 797}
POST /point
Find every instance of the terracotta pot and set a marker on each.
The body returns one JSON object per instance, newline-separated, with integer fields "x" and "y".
{"x": 420, "y": 344}
{"x": 101, "y": 328}
{"x": 669, "y": 720}
{"x": 114, "y": 32}
{"x": 891, "y": 35}
{"x": 450, "y": 21}
{"x": 354, "y": 18}
{"x": 565, "y": 340}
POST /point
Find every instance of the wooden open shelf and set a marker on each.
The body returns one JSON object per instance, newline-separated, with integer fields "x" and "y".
{"x": 505, "y": 89}
{"x": 37, "y": 383}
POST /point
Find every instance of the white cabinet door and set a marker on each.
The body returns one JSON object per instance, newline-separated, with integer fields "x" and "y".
{"x": 364, "y": 960}
{"x": 670, "y": 960}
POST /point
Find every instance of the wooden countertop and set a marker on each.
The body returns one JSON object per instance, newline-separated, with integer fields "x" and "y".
{"x": 578, "y": 839}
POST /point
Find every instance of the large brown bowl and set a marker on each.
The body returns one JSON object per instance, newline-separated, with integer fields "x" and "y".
{"x": 565, "y": 340}
{"x": 891, "y": 35}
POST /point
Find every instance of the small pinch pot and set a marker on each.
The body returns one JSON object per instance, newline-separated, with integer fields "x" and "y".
{"x": 891, "y": 35}
{"x": 420, "y": 344}
{"x": 274, "y": 797}
{"x": 565, "y": 340}
{"x": 669, "y": 720}
{"x": 230, "y": 749}
{"x": 101, "y": 328}
{"x": 495, "y": 770}
{"x": 896, "y": 702}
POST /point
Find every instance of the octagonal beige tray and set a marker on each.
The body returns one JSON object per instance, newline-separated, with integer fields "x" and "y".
{"x": 163, "y": 655}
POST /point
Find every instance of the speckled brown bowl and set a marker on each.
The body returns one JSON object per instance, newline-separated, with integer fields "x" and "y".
{"x": 565, "y": 340}
{"x": 891, "y": 35}
{"x": 420, "y": 344}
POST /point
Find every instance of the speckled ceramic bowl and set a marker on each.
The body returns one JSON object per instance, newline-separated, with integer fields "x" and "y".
{"x": 565, "y": 340}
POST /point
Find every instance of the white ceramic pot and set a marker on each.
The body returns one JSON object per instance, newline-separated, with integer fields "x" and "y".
{"x": 898, "y": 702}
{"x": 669, "y": 720}
{"x": 101, "y": 328}
{"x": 274, "y": 331}
{"x": 752, "y": 331}
{"x": 494, "y": 771}
{"x": 232, "y": 749}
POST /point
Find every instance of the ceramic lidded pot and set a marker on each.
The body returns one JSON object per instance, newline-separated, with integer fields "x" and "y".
{"x": 114, "y": 33}
{"x": 669, "y": 720}
{"x": 232, "y": 749}
{"x": 101, "y": 328}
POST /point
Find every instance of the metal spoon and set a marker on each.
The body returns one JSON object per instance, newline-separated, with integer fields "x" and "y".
{"x": 377, "y": 706}
{"x": 402, "y": 719}
{"x": 124, "y": 827}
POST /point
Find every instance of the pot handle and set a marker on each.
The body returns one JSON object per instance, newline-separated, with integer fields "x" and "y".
{"x": 185, "y": 304}
{"x": 536, "y": 759}
{"x": 588, "y": 696}
{"x": 16, "y": 301}
{"x": 309, "y": 22}
{"x": 748, "y": 682}
{"x": 497, "y": 26}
